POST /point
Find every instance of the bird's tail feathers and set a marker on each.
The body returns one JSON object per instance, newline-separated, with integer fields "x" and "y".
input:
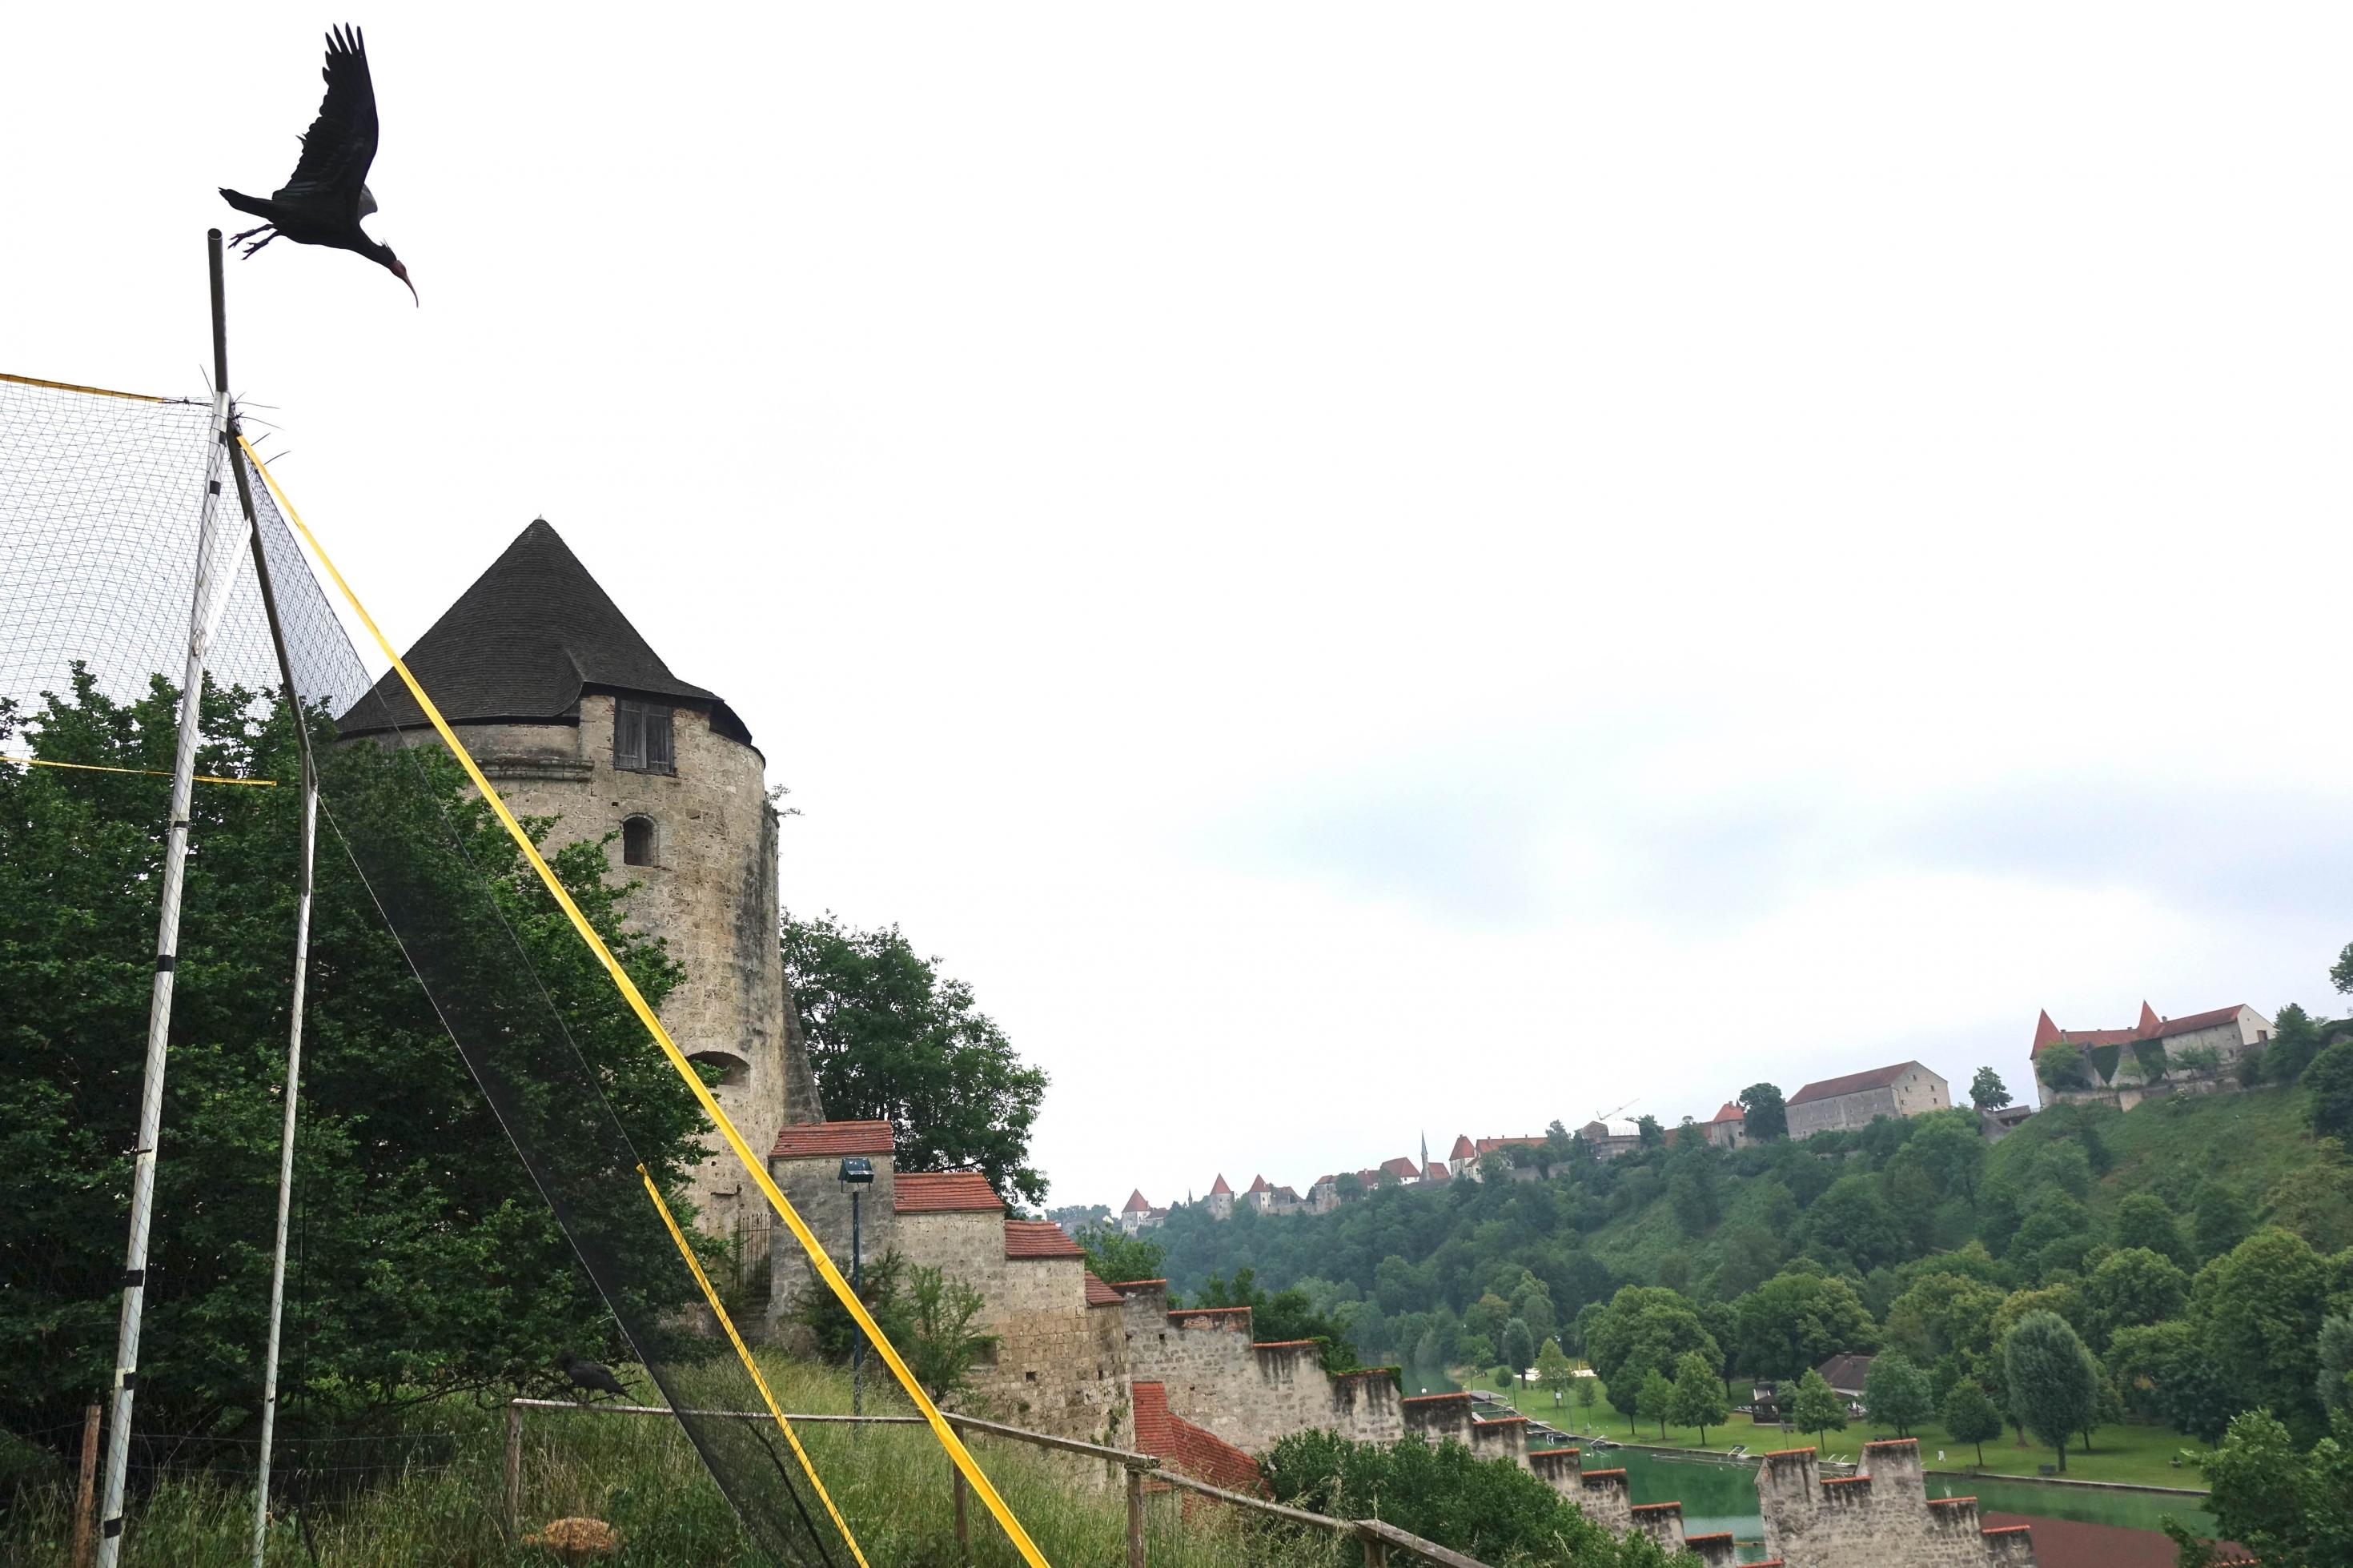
{"x": 244, "y": 203}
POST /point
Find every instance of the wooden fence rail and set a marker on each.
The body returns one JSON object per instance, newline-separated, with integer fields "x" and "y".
{"x": 1385, "y": 1544}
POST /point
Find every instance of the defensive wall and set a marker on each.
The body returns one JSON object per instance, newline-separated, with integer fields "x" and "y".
{"x": 1880, "y": 1517}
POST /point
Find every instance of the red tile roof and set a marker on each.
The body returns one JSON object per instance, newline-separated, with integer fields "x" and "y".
{"x": 1100, "y": 1294}
{"x": 1137, "y": 1202}
{"x": 1463, "y": 1150}
{"x": 1488, "y": 1145}
{"x": 1853, "y": 1083}
{"x": 817, "y": 1138}
{"x": 1189, "y": 1449}
{"x": 2150, "y": 1028}
{"x": 1403, "y": 1169}
{"x": 1731, "y": 1112}
{"x": 945, "y": 1192}
{"x": 1039, "y": 1239}
{"x": 1258, "y": 1185}
{"x": 1221, "y": 1186}
{"x": 1439, "y": 1173}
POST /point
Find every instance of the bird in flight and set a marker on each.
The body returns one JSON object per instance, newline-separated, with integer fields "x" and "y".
{"x": 324, "y": 201}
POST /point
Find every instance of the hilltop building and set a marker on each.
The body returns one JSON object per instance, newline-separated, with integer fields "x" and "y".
{"x": 1834, "y": 1104}
{"x": 2124, "y": 1067}
{"x": 1728, "y": 1128}
{"x": 1139, "y": 1214}
{"x": 1221, "y": 1199}
{"x": 572, "y": 715}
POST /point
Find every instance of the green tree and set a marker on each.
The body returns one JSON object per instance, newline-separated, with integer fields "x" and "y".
{"x": 2257, "y": 1312}
{"x": 1969, "y": 1417}
{"x": 2221, "y": 1219}
{"x": 1817, "y": 1408}
{"x": 1647, "y": 1128}
{"x": 1287, "y": 1314}
{"x": 2160, "y": 1369}
{"x": 1519, "y": 1348}
{"x": 2062, "y": 1066}
{"x": 1765, "y": 1116}
{"x": 2329, "y": 1082}
{"x": 1553, "y": 1367}
{"x": 1987, "y": 1091}
{"x": 1698, "y": 1399}
{"x": 891, "y": 1039}
{"x": 2316, "y": 1199}
{"x": 1799, "y": 1320}
{"x": 1645, "y": 1328}
{"x": 1115, "y": 1257}
{"x": 2333, "y": 1384}
{"x": 2283, "y": 1505}
{"x": 2142, "y": 1219}
{"x": 433, "y": 1265}
{"x": 1896, "y": 1393}
{"x": 2132, "y": 1289}
{"x": 2295, "y": 1040}
{"x": 2052, "y": 1379}
{"x": 1852, "y": 1221}
{"x": 1587, "y": 1389}
{"x": 1943, "y": 1314}
{"x": 938, "y": 1333}
{"x": 1656, "y": 1400}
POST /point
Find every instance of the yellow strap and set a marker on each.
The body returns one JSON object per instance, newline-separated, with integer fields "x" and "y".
{"x": 964, "y": 1461}
{"x": 69, "y": 386}
{"x": 149, "y": 772}
{"x": 750, "y": 1365}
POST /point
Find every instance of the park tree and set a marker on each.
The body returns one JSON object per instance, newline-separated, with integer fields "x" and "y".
{"x": 1969, "y": 1416}
{"x": 1656, "y": 1400}
{"x": 2282, "y": 1504}
{"x": 444, "y": 1269}
{"x": 1552, "y": 1368}
{"x": 1799, "y": 1320}
{"x": 1519, "y": 1348}
{"x": 2052, "y": 1380}
{"x": 893, "y": 1039}
{"x": 2142, "y": 1219}
{"x": 2257, "y": 1312}
{"x": 1765, "y": 1116}
{"x": 2329, "y": 1082}
{"x": 1645, "y": 1328}
{"x": 1817, "y": 1408}
{"x": 1943, "y": 1314}
{"x": 1987, "y": 1091}
{"x": 1699, "y": 1400}
{"x": 1896, "y": 1393}
{"x": 1587, "y": 1391}
{"x": 2132, "y": 1289}
{"x": 2160, "y": 1369}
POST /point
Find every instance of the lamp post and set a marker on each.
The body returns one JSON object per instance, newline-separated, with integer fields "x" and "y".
{"x": 857, "y": 1175}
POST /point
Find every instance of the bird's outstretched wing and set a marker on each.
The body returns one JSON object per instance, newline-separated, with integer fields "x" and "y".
{"x": 341, "y": 142}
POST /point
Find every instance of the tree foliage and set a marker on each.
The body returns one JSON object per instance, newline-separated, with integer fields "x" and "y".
{"x": 1969, "y": 1416}
{"x": 2330, "y": 1083}
{"x": 1799, "y": 1320}
{"x": 1987, "y": 1091}
{"x": 891, "y": 1039}
{"x": 1765, "y": 1116}
{"x": 1115, "y": 1257}
{"x": 1645, "y": 1328}
{"x": 1818, "y": 1407}
{"x": 1896, "y": 1393}
{"x": 427, "y": 1264}
{"x": 1655, "y": 1400}
{"x": 2052, "y": 1379}
{"x": 1287, "y": 1314}
{"x": 2283, "y": 1505}
{"x": 1699, "y": 1398}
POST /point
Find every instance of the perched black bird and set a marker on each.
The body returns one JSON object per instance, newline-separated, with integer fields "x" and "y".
{"x": 593, "y": 1376}
{"x": 327, "y": 196}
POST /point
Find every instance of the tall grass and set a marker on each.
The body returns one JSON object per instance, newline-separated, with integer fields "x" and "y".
{"x": 642, "y": 1476}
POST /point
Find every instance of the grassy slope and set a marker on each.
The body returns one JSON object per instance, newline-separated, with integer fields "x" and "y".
{"x": 640, "y": 1475}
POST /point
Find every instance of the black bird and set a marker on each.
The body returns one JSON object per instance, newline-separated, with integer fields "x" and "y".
{"x": 327, "y": 196}
{"x": 594, "y": 1376}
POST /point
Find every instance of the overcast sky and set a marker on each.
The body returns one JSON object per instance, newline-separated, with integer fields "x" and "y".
{"x": 1356, "y": 570}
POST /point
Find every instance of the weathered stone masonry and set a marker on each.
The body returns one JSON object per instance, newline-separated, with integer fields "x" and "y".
{"x": 1880, "y": 1516}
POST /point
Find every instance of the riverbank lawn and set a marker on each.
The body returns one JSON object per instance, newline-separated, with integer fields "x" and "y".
{"x": 2139, "y": 1455}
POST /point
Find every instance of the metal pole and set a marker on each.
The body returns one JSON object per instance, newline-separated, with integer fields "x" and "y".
{"x": 167, "y": 938}
{"x": 291, "y": 694}
{"x": 515, "y": 1473}
{"x": 857, "y": 1346}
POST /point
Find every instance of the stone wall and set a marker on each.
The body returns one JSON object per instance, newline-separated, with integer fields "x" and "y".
{"x": 1251, "y": 1394}
{"x": 1840, "y": 1111}
{"x": 1879, "y": 1516}
{"x": 711, "y": 895}
{"x": 812, "y": 1186}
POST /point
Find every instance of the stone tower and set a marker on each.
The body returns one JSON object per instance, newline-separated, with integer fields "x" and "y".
{"x": 572, "y": 715}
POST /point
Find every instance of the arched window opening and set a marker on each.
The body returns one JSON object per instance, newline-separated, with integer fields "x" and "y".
{"x": 638, "y": 841}
{"x": 733, "y": 1070}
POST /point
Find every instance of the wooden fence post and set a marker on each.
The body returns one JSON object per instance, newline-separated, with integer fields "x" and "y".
{"x": 1134, "y": 1517}
{"x": 514, "y": 1474}
{"x": 87, "y": 1500}
{"x": 1377, "y": 1552}
{"x": 963, "y": 1529}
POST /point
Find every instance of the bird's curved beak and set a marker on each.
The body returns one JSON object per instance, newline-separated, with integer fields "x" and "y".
{"x": 401, "y": 272}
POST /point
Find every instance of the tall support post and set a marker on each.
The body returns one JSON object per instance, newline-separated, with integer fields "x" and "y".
{"x": 857, "y": 1346}
{"x": 167, "y": 938}
{"x": 1134, "y": 1517}
{"x": 291, "y": 695}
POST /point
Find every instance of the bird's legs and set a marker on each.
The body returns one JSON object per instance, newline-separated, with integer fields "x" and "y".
{"x": 248, "y": 234}
{"x": 257, "y": 245}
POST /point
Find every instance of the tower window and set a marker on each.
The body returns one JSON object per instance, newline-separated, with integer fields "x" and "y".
{"x": 641, "y": 737}
{"x": 638, "y": 841}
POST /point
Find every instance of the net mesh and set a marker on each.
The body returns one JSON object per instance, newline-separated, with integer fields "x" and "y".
{"x": 97, "y": 501}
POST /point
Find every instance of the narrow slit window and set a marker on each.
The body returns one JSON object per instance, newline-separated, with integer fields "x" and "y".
{"x": 638, "y": 841}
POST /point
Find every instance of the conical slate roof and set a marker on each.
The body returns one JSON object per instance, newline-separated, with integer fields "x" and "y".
{"x": 534, "y": 632}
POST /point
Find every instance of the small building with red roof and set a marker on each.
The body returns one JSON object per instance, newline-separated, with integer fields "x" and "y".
{"x": 1728, "y": 1128}
{"x": 1138, "y": 1215}
{"x": 1220, "y": 1199}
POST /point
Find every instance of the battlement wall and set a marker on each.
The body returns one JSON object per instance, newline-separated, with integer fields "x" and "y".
{"x": 1880, "y": 1517}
